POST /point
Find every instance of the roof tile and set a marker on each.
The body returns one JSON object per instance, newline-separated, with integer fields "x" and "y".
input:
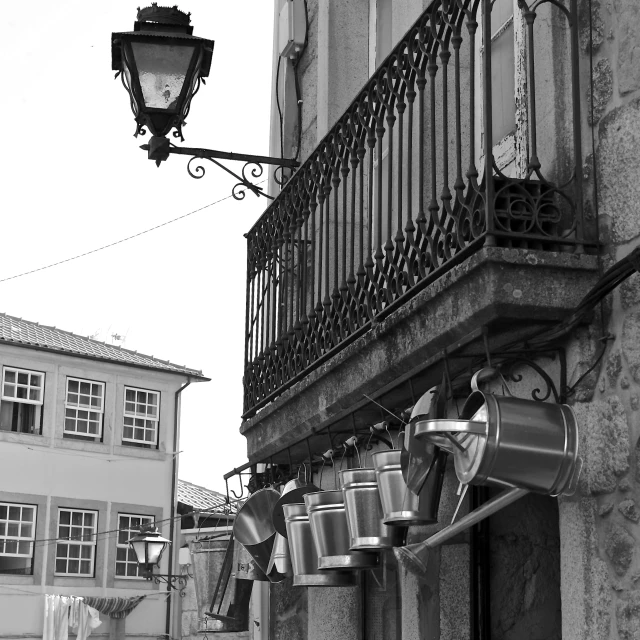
{"x": 24, "y": 333}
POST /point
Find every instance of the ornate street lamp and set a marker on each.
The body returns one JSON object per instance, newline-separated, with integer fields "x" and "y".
{"x": 148, "y": 547}
{"x": 161, "y": 64}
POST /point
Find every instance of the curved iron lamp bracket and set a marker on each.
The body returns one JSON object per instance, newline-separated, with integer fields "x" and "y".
{"x": 177, "y": 582}
{"x": 159, "y": 148}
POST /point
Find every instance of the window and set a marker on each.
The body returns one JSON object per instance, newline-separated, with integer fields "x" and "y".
{"x": 76, "y": 545}
{"x": 21, "y": 404}
{"x": 17, "y": 533}
{"x": 128, "y": 526}
{"x": 84, "y": 408}
{"x": 141, "y": 413}
{"x": 508, "y": 81}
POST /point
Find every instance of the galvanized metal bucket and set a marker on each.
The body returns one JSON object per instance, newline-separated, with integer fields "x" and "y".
{"x": 364, "y": 511}
{"x": 304, "y": 556}
{"x": 513, "y": 442}
{"x": 330, "y": 531}
{"x": 400, "y": 506}
{"x": 253, "y": 526}
{"x": 293, "y": 493}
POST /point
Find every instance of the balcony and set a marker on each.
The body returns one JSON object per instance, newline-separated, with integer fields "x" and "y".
{"x": 423, "y": 172}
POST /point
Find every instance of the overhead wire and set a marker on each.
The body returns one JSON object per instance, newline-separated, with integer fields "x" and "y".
{"x": 117, "y": 242}
{"x": 110, "y": 533}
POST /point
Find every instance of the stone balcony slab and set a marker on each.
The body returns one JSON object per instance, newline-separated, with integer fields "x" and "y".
{"x": 506, "y": 290}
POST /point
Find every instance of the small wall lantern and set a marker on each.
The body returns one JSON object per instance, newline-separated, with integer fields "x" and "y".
{"x": 161, "y": 64}
{"x": 148, "y": 547}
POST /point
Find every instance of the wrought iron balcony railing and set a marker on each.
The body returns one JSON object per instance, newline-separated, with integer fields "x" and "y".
{"x": 412, "y": 179}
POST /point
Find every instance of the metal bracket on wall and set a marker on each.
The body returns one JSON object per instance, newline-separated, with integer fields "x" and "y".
{"x": 159, "y": 148}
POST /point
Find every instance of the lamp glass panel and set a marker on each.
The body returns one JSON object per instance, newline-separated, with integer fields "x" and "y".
{"x": 162, "y": 69}
{"x": 139, "y": 549}
{"x": 154, "y": 550}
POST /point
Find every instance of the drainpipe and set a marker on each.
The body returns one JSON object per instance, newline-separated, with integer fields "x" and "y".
{"x": 174, "y": 479}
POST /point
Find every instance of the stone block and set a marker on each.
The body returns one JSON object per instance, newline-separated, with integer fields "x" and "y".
{"x": 619, "y": 546}
{"x": 591, "y": 32}
{"x": 602, "y": 91}
{"x": 631, "y": 343}
{"x": 585, "y": 585}
{"x": 335, "y": 613}
{"x": 454, "y": 592}
{"x": 619, "y": 171}
{"x": 604, "y": 445}
{"x": 628, "y": 509}
{"x": 628, "y": 616}
{"x": 630, "y": 292}
{"x": 628, "y": 63}
{"x": 614, "y": 367}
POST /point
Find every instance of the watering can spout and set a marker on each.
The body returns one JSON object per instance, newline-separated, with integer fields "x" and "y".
{"x": 414, "y": 557}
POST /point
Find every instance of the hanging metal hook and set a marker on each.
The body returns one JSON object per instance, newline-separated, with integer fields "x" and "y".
{"x": 235, "y": 495}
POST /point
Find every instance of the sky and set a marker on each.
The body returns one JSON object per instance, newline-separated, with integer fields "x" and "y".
{"x": 74, "y": 179}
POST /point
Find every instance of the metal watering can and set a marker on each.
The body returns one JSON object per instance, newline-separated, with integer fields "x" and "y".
{"x": 511, "y": 442}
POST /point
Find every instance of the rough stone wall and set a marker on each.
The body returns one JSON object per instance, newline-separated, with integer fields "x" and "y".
{"x": 600, "y": 534}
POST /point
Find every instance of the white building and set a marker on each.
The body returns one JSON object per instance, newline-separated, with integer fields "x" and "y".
{"x": 88, "y": 441}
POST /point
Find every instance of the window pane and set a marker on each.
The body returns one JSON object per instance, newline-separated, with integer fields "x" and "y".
{"x": 72, "y": 398}
{"x": 74, "y": 566}
{"x": 9, "y": 391}
{"x": 25, "y": 530}
{"x": 24, "y": 548}
{"x": 85, "y": 567}
{"x": 21, "y": 392}
{"x": 130, "y": 395}
{"x": 65, "y": 517}
{"x": 73, "y": 385}
{"x": 23, "y": 378}
{"x": 14, "y": 513}
{"x": 120, "y": 569}
{"x": 3, "y": 512}
{"x": 503, "y": 85}
{"x": 61, "y": 566}
{"x": 76, "y": 518}
{"x": 10, "y": 376}
{"x": 13, "y": 529}
{"x": 85, "y": 388}
{"x": 86, "y": 552}
{"x": 11, "y": 546}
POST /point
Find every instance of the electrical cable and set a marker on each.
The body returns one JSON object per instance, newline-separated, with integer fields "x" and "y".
{"x": 297, "y": 79}
{"x": 113, "y": 244}
{"x": 279, "y": 107}
{"x": 110, "y": 532}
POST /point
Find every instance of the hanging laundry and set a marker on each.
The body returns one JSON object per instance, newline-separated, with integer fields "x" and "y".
{"x": 83, "y": 618}
{"x": 56, "y": 617}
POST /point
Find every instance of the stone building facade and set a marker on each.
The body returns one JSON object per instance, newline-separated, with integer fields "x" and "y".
{"x": 564, "y": 567}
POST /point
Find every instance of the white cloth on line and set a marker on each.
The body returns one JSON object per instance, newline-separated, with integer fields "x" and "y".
{"x": 83, "y": 618}
{"x": 56, "y": 617}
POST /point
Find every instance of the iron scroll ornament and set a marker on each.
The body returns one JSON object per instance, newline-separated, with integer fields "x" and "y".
{"x": 159, "y": 149}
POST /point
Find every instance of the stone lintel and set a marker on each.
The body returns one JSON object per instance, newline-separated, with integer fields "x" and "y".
{"x": 504, "y": 289}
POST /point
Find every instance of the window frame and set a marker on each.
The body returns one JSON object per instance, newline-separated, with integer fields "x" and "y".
{"x": 144, "y": 519}
{"x": 134, "y": 416}
{"x": 19, "y": 538}
{"x": 80, "y": 407}
{"x": 39, "y": 413}
{"x": 509, "y": 153}
{"x": 92, "y": 544}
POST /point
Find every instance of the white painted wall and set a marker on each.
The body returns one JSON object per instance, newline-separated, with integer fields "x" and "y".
{"x": 105, "y": 476}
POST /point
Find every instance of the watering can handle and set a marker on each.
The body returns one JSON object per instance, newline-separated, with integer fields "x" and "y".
{"x": 428, "y": 427}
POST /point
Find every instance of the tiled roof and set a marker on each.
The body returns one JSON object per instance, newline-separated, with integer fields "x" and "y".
{"x": 23, "y": 333}
{"x": 200, "y": 498}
